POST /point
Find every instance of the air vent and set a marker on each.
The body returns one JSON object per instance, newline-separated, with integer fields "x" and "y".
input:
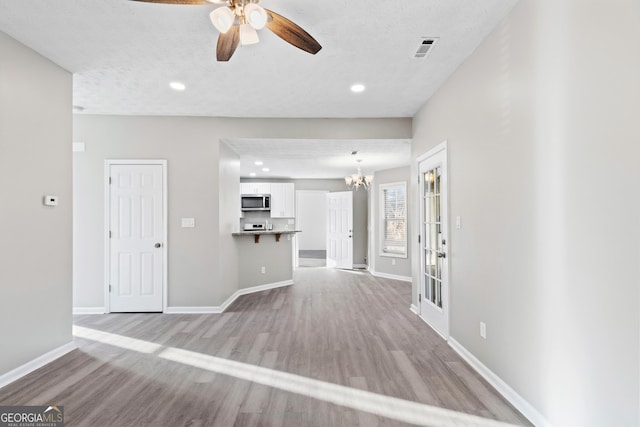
{"x": 425, "y": 46}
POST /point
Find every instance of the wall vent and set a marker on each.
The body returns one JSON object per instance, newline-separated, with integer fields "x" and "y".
{"x": 425, "y": 46}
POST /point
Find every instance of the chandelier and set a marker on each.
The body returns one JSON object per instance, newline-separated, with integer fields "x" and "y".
{"x": 357, "y": 180}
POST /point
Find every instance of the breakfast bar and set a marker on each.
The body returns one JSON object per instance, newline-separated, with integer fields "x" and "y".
{"x": 256, "y": 234}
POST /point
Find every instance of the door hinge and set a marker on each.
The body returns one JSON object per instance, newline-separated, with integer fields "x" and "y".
{"x": 419, "y": 297}
{"x": 109, "y": 233}
{"x": 419, "y": 238}
{"x": 109, "y": 288}
{"x": 109, "y": 180}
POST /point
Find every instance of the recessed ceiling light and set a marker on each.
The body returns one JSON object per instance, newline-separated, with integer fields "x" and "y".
{"x": 265, "y": 169}
{"x": 258, "y": 163}
{"x": 357, "y": 88}
{"x": 177, "y": 86}
{"x": 252, "y": 174}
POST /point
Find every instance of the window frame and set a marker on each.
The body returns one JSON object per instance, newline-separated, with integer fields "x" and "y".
{"x": 383, "y": 219}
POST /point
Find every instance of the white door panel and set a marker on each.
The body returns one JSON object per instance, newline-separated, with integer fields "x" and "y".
{"x": 339, "y": 230}
{"x": 136, "y": 238}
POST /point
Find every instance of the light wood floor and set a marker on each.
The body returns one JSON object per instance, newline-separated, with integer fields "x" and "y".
{"x": 332, "y": 329}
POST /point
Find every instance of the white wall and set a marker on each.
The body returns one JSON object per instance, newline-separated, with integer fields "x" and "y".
{"x": 543, "y": 148}
{"x": 311, "y": 216}
{"x": 229, "y": 259}
{"x": 385, "y": 264}
{"x": 191, "y": 149}
{"x": 35, "y": 240}
{"x": 198, "y": 167}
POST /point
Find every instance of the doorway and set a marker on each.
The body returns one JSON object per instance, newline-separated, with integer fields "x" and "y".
{"x": 433, "y": 293}
{"x": 311, "y": 217}
{"x": 136, "y": 230}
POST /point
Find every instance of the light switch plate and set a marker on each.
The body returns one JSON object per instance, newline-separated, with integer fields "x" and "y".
{"x": 77, "y": 147}
{"x": 188, "y": 222}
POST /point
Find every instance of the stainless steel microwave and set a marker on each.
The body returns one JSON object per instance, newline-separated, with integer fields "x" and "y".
{"x": 255, "y": 202}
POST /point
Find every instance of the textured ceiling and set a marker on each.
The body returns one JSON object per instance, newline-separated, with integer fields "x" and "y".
{"x": 311, "y": 158}
{"x": 124, "y": 54}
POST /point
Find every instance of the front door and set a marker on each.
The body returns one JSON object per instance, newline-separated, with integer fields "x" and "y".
{"x": 136, "y": 237}
{"x": 340, "y": 230}
{"x": 434, "y": 280}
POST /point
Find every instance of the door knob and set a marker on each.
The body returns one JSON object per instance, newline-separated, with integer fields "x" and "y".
{"x": 158, "y": 245}
{"x": 442, "y": 255}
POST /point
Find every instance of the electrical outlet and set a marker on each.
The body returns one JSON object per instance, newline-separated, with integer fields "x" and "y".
{"x": 263, "y": 270}
{"x": 483, "y": 330}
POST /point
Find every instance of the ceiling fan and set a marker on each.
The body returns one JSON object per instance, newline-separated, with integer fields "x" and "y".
{"x": 238, "y": 20}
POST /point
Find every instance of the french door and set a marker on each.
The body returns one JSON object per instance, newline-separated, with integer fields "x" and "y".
{"x": 434, "y": 275}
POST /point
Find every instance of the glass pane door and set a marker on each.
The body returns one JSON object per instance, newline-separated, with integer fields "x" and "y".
{"x": 433, "y": 251}
{"x": 433, "y": 289}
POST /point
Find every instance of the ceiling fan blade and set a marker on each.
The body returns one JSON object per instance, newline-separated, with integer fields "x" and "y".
{"x": 228, "y": 43}
{"x": 292, "y": 33}
{"x": 174, "y": 1}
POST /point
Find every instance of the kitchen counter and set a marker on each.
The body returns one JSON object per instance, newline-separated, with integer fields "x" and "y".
{"x": 258, "y": 233}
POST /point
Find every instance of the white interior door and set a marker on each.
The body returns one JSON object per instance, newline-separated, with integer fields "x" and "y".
{"x": 340, "y": 230}
{"x": 136, "y": 228}
{"x": 434, "y": 277}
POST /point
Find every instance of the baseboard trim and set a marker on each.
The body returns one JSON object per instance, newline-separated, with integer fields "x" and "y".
{"x": 361, "y": 266}
{"x": 392, "y": 276}
{"x": 88, "y": 310}
{"x": 221, "y": 308}
{"x": 253, "y": 289}
{"x": 502, "y": 387}
{"x": 36, "y": 363}
{"x": 193, "y": 310}
{"x": 414, "y": 309}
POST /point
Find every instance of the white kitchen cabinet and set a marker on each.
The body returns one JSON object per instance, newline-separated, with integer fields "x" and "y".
{"x": 255, "y": 188}
{"x": 283, "y": 200}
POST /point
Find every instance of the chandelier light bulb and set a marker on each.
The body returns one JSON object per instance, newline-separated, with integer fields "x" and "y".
{"x": 255, "y": 15}
{"x": 222, "y": 18}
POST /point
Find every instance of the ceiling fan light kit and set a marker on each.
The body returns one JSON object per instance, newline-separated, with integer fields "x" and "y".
{"x": 248, "y": 35}
{"x": 222, "y": 18}
{"x": 238, "y": 20}
{"x": 255, "y": 15}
